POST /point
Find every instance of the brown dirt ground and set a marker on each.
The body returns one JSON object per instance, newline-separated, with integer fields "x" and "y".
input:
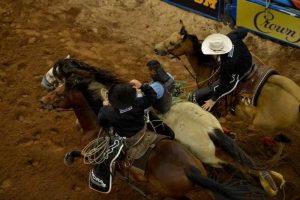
{"x": 112, "y": 34}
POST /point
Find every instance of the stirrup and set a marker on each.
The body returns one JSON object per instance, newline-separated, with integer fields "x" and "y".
{"x": 268, "y": 183}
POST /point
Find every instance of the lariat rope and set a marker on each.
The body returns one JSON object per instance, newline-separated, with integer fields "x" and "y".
{"x": 93, "y": 153}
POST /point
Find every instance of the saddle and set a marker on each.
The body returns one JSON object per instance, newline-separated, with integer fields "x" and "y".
{"x": 128, "y": 153}
{"x": 248, "y": 90}
{"x": 138, "y": 148}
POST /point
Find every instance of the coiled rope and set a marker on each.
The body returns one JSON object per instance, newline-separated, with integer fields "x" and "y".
{"x": 94, "y": 152}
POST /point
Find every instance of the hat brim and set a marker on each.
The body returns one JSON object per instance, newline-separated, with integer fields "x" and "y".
{"x": 208, "y": 51}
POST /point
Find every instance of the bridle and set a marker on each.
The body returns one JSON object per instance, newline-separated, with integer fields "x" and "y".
{"x": 175, "y": 46}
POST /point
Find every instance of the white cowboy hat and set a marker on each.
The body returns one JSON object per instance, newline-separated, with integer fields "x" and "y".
{"x": 216, "y": 44}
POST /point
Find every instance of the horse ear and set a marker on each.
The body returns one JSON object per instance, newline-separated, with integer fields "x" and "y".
{"x": 183, "y": 31}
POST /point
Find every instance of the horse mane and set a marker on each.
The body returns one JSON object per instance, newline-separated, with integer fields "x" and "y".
{"x": 91, "y": 94}
{"x": 197, "y": 50}
{"x": 89, "y": 80}
{"x": 68, "y": 66}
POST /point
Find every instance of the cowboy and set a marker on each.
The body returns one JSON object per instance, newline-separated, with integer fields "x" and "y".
{"x": 235, "y": 62}
{"x": 126, "y": 116}
{"x": 163, "y": 84}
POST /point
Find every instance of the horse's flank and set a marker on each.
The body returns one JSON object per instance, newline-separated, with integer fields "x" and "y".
{"x": 191, "y": 125}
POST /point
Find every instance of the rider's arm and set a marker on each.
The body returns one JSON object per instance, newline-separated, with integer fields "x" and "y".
{"x": 103, "y": 117}
{"x": 149, "y": 97}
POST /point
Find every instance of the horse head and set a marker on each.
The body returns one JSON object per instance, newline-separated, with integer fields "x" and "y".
{"x": 177, "y": 44}
{"x": 55, "y": 99}
{"x": 182, "y": 43}
{"x": 69, "y": 96}
{"x": 63, "y": 97}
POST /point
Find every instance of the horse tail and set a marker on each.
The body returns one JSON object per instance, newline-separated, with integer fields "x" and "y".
{"x": 229, "y": 146}
{"x": 238, "y": 154}
{"x": 225, "y": 191}
{"x": 287, "y": 84}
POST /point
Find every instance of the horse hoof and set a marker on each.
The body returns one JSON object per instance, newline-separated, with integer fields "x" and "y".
{"x": 68, "y": 159}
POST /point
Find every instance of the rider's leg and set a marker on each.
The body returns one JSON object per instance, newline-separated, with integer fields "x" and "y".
{"x": 201, "y": 95}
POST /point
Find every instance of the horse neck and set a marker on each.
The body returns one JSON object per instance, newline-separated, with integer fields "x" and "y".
{"x": 86, "y": 116}
{"x": 203, "y": 71}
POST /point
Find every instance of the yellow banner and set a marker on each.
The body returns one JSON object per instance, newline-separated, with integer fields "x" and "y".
{"x": 272, "y": 23}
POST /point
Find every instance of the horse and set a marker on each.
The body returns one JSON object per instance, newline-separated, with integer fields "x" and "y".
{"x": 198, "y": 130}
{"x": 171, "y": 169}
{"x": 279, "y": 94}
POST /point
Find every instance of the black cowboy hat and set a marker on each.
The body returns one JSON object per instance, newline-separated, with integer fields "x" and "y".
{"x": 121, "y": 96}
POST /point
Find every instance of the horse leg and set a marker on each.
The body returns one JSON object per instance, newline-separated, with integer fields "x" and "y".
{"x": 232, "y": 167}
{"x": 234, "y": 191}
{"x": 70, "y": 157}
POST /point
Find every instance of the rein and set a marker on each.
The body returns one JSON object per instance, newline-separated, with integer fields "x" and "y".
{"x": 193, "y": 75}
{"x": 211, "y": 76}
{"x": 184, "y": 65}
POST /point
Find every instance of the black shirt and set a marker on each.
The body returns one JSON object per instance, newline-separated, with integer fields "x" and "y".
{"x": 127, "y": 122}
{"x": 232, "y": 65}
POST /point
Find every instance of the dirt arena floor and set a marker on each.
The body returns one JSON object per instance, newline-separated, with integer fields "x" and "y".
{"x": 114, "y": 35}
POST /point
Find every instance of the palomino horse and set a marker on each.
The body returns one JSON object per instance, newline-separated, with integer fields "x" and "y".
{"x": 278, "y": 95}
{"x": 172, "y": 177}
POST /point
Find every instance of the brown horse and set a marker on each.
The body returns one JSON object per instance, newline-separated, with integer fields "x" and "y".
{"x": 170, "y": 169}
{"x": 278, "y": 95}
